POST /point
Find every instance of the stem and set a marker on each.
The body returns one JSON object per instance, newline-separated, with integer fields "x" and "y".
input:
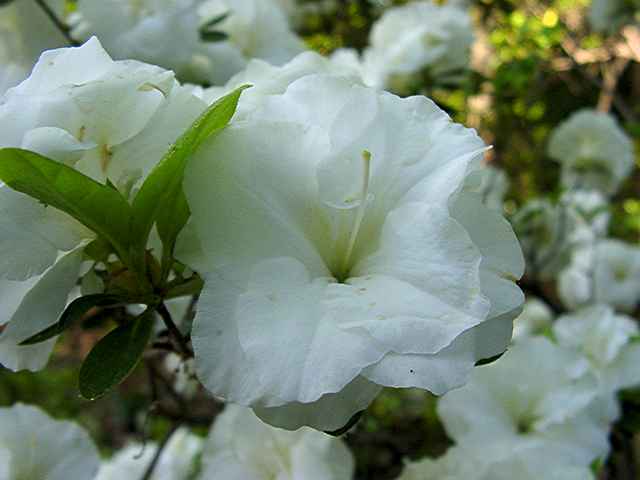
{"x": 63, "y": 28}
{"x": 173, "y": 330}
{"x": 156, "y": 457}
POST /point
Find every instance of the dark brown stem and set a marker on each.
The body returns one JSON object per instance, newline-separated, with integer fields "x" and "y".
{"x": 174, "y": 330}
{"x": 161, "y": 447}
{"x": 62, "y": 27}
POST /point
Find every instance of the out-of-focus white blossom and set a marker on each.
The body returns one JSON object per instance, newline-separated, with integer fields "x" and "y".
{"x": 537, "y": 392}
{"x": 609, "y": 15}
{"x": 607, "y": 340}
{"x": 25, "y": 31}
{"x": 184, "y": 374}
{"x": 109, "y": 120}
{"x": 167, "y": 33}
{"x": 35, "y": 446}
{"x": 535, "y": 318}
{"x": 176, "y": 462}
{"x": 241, "y": 447}
{"x": 349, "y": 213}
{"x": 608, "y": 273}
{"x": 497, "y": 461}
{"x": 545, "y": 234}
{"x": 419, "y": 35}
{"x": 492, "y": 185}
{"x": 593, "y": 150}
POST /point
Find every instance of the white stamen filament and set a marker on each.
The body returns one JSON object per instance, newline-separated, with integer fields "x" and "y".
{"x": 366, "y": 157}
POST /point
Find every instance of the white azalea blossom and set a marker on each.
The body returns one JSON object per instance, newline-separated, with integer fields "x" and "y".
{"x": 35, "y": 446}
{"x": 497, "y": 461}
{"x": 109, "y": 120}
{"x": 607, "y": 340}
{"x": 184, "y": 377}
{"x": 537, "y": 392}
{"x": 241, "y": 447}
{"x": 176, "y": 462}
{"x": 167, "y": 33}
{"x": 25, "y": 31}
{"x": 350, "y": 231}
{"x": 419, "y": 35}
{"x": 593, "y": 150}
{"x": 608, "y": 272}
{"x": 536, "y": 316}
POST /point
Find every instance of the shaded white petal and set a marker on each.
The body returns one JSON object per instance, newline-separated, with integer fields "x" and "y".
{"x": 41, "y": 447}
{"x": 40, "y": 307}
{"x": 329, "y": 413}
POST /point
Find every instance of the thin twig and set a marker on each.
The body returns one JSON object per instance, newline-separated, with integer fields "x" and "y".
{"x": 156, "y": 456}
{"x": 62, "y": 27}
{"x": 174, "y": 330}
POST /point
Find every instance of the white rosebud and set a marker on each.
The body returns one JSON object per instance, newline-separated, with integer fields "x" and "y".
{"x": 338, "y": 246}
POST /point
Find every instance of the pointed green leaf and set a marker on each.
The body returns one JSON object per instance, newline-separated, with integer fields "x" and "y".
{"x": 97, "y": 206}
{"x": 115, "y": 356}
{"x": 213, "y": 36}
{"x": 73, "y": 313}
{"x": 161, "y": 199}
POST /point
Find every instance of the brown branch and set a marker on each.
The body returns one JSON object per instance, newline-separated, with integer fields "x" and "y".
{"x": 62, "y": 27}
{"x": 174, "y": 330}
{"x": 156, "y": 457}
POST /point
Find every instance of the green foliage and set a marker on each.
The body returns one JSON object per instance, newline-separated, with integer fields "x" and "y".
{"x": 74, "y": 312}
{"x": 161, "y": 199}
{"x": 99, "y": 207}
{"x": 115, "y": 356}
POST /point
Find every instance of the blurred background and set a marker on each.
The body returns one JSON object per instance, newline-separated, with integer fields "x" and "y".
{"x": 532, "y": 64}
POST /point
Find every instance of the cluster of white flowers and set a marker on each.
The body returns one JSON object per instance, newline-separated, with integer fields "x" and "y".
{"x": 239, "y": 446}
{"x": 173, "y": 34}
{"x": 550, "y": 400}
{"x": 109, "y": 120}
{"x": 420, "y": 36}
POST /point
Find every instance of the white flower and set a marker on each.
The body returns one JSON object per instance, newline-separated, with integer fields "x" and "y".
{"x": 167, "y": 33}
{"x": 497, "y": 461}
{"x": 593, "y": 150}
{"x": 608, "y": 272}
{"x": 605, "y": 339}
{"x": 35, "y": 446}
{"x": 537, "y": 392}
{"x": 419, "y": 35}
{"x": 184, "y": 376}
{"x": 241, "y": 447}
{"x": 609, "y": 15}
{"x": 536, "y": 316}
{"x": 176, "y": 462}
{"x": 107, "y": 119}
{"x": 616, "y": 274}
{"x": 334, "y": 213}
{"x": 25, "y": 31}
{"x": 545, "y": 232}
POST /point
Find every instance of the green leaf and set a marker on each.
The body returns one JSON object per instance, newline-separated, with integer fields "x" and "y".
{"x": 73, "y": 313}
{"x": 215, "y": 20}
{"x": 115, "y": 356}
{"x": 213, "y": 36}
{"x": 97, "y": 206}
{"x": 161, "y": 199}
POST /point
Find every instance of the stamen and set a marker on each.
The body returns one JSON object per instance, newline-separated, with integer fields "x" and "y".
{"x": 366, "y": 157}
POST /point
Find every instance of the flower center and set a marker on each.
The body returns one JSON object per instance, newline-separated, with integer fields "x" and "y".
{"x": 345, "y": 264}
